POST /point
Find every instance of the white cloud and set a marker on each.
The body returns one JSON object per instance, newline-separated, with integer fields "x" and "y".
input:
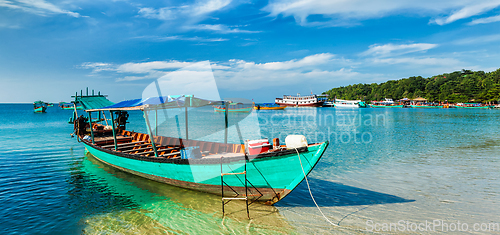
{"x": 468, "y": 11}
{"x": 98, "y": 66}
{"x": 392, "y": 49}
{"x": 427, "y": 61}
{"x": 188, "y": 17}
{"x": 244, "y": 75}
{"x": 485, "y": 20}
{"x": 148, "y": 67}
{"x": 38, "y": 7}
{"x": 345, "y": 13}
{"x": 224, "y": 29}
{"x": 314, "y": 71}
{"x": 194, "y": 13}
{"x": 478, "y": 39}
{"x": 181, "y": 38}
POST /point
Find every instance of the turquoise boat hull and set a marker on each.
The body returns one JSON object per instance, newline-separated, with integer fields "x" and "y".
{"x": 231, "y": 110}
{"x": 480, "y": 107}
{"x": 40, "y": 109}
{"x": 272, "y": 175}
{"x": 387, "y": 106}
{"x": 426, "y": 107}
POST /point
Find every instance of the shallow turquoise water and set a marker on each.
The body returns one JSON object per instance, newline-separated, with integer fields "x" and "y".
{"x": 382, "y": 165}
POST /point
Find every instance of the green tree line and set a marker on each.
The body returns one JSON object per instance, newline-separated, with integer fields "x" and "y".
{"x": 457, "y": 87}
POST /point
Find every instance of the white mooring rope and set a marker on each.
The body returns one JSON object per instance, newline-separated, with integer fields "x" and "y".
{"x": 309, "y": 188}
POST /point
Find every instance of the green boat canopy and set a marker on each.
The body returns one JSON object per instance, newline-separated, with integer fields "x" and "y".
{"x": 93, "y": 102}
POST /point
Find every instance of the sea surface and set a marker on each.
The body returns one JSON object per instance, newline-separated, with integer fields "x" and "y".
{"x": 399, "y": 168}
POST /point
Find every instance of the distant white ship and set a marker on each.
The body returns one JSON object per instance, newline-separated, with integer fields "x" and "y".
{"x": 309, "y": 100}
{"x": 349, "y": 104}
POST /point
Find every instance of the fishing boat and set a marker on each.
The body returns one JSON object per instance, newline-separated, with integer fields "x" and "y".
{"x": 39, "y": 106}
{"x": 349, "y": 104}
{"x": 268, "y": 106}
{"x": 386, "y": 103}
{"x": 472, "y": 106}
{"x": 234, "y": 108}
{"x": 69, "y": 106}
{"x": 386, "y": 106}
{"x": 427, "y": 106}
{"x": 310, "y": 100}
{"x": 250, "y": 170}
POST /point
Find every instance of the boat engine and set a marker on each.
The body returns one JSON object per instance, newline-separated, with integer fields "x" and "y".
{"x": 121, "y": 119}
{"x": 80, "y": 125}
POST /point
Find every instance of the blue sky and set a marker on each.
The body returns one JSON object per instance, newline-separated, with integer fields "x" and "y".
{"x": 258, "y": 50}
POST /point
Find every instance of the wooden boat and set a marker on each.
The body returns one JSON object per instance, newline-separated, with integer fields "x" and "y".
{"x": 386, "y": 103}
{"x": 268, "y": 106}
{"x": 427, "y": 106}
{"x": 349, "y": 104}
{"x": 472, "y": 106}
{"x": 70, "y": 106}
{"x": 39, "y": 106}
{"x": 234, "y": 108}
{"x": 217, "y": 168}
{"x": 386, "y": 106}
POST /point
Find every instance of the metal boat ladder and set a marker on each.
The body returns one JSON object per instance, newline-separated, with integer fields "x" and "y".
{"x": 238, "y": 196}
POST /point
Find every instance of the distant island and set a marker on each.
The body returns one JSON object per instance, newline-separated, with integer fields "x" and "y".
{"x": 457, "y": 87}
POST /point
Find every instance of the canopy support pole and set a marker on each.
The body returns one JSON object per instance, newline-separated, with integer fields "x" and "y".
{"x": 239, "y": 133}
{"x": 91, "y": 129}
{"x": 106, "y": 120}
{"x": 156, "y": 122}
{"x": 113, "y": 127}
{"x": 150, "y": 133}
{"x": 226, "y": 110}
{"x": 186, "y": 104}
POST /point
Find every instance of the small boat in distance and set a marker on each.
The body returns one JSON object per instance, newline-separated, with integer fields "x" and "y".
{"x": 39, "y": 106}
{"x": 69, "y": 106}
{"x": 268, "y": 106}
{"x": 310, "y": 100}
{"x": 386, "y": 103}
{"x": 349, "y": 103}
{"x": 234, "y": 108}
{"x": 473, "y": 106}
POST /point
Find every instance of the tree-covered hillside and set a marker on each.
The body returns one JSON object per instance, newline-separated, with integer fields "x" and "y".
{"x": 456, "y": 87}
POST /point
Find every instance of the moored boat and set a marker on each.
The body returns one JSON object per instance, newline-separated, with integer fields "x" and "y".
{"x": 310, "y": 100}
{"x": 39, "y": 106}
{"x": 271, "y": 172}
{"x": 427, "y": 106}
{"x": 234, "y": 108}
{"x": 473, "y": 106}
{"x": 386, "y": 106}
{"x": 349, "y": 104}
{"x": 69, "y": 106}
{"x": 268, "y": 106}
{"x": 386, "y": 103}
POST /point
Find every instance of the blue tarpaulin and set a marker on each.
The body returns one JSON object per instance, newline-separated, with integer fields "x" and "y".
{"x": 156, "y": 102}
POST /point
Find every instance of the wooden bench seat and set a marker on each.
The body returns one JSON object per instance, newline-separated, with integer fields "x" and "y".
{"x": 110, "y": 139}
{"x": 158, "y": 150}
{"x": 123, "y": 144}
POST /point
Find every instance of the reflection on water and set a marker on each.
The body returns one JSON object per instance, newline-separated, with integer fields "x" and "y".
{"x": 162, "y": 208}
{"x": 409, "y": 164}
